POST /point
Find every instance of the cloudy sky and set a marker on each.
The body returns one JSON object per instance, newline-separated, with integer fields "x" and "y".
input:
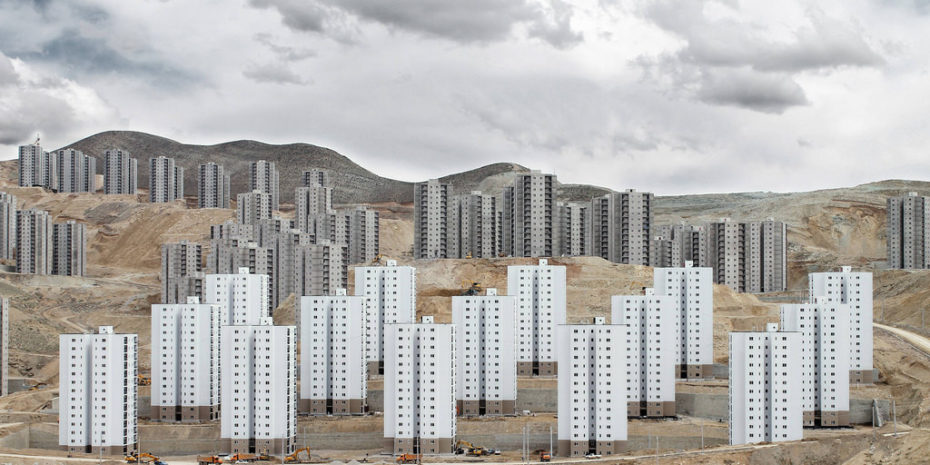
{"x": 667, "y": 96}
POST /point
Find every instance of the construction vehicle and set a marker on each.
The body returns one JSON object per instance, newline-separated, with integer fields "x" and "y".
{"x": 468, "y": 255}
{"x": 144, "y": 458}
{"x": 545, "y": 457}
{"x": 240, "y": 458}
{"x": 295, "y": 457}
{"x": 407, "y": 458}
{"x": 208, "y": 460}
{"x": 474, "y": 289}
{"x": 377, "y": 259}
{"x": 37, "y": 386}
{"x": 143, "y": 380}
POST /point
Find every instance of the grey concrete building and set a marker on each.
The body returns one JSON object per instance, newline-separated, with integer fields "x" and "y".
{"x": 319, "y": 269}
{"x": 530, "y": 226}
{"x": 212, "y": 187}
{"x": 316, "y": 177}
{"x": 37, "y": 167}
{"x": 166, "y": 180}
{"x": 263, "y": 176}
{"x": 748, "y": 257}
{"x": 432, "y": 222}
{"x": 33, "y": 242}
{"x": 69, "y": 249}
{"x": 312, "y": 205}
{"x": 674, "y": 245}
{"x": 475, "y": 225}
{"x": 227, "y": 256}
{"x": 621, "y": 227}
{"x": 7, "y": 225}
{"x": 181, "y": 271}
{"x": 364, "y": 235}
{"x": 4, "y": 346}
{"x": 575, "y": 229}
{"x": 253, "y": 207}
{"x": 120, "y": 172}
{"x": 726, "y": 253}
{"x": 908, "y": 235}
{"x": 77, "y": 172}
{"x": 233, "y": 230}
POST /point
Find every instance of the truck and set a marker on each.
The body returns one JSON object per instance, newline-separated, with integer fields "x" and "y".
{"x": 545, "y": 457}
{"x": 407, "y": 458}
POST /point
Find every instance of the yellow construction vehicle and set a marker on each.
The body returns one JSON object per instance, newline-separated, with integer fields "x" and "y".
{"x": 143, "y": 458}
{"x": 468, "y": 255}
{"x": 545, "y": 457}
{"x": 295, "y": 457}
{"x": 407, "y": 458}
{"x": 377, "y": 259}
{"x": 143, "y": 380}
{"x": 239, "y": 458}
{"x": 474, "y": 289}
{"x": 208, "y": 460}
{"x": 37, "y": 386}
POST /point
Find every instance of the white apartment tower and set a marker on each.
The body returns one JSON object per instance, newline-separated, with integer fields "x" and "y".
{"x": 166, "y": 180}
{"x": 765, "y": 386}
{"x": 33, "y": 242}
{"x": 186, "y": 361}
{"x": 181, "y": 262}
{"x": 485, "y": 328}
{"x": 37, "y": 167}
{"x": 97, "y": 404}
{"x": 258, "y": 389}
{"x": 4, "y": 346}
{"x": 263, "y": 177}
{"x": 432, "y": 222}
{"x": 212, "y": 187}
{"x": 855, "y": 289}
{"x": 693, "y": 288}
{"x": 77, "y": 172}
{"x": 333, "y": 367}
{"x": 69, "y": 249}
{"x": 540, "y": 293}
{"x": 651, "y": 333}
{"x": 824, "y": 345}
{"x": 530, "y": 226}
{"x": 7, "y": 225}
{"x": 592, "y": 389}
{"x": 254, "y": 207}
{"x": 391, "y": 291}
{"x": 244, "y": 297}
{"x": 120, "y": 172}
{"x": 621, "y": 227}
{"x": 419, "y": 387}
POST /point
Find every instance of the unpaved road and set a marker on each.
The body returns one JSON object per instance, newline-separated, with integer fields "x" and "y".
{"x": 916, "y": 340}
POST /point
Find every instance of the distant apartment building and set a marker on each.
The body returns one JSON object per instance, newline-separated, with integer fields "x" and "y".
{"x": 824, "y": 345}
{"x": 120, "y": 172}
{"x": 231, "y": 229}
{"x": 693, "y": 289}
{"x": 540, "y": 293}
{"x": 333, "y": 367}
{"x": 69, "y": 249}
{"x": 432, "y": 222}
{"x": 4, "y": 346}
{"x": 651, "y": 323}
{"x": 765, "y": 386}
{"x": 673, "y": 245}
{"x": 419, "y": 388}
{"x": 76, "y": 172}
{"x": 7, "y": 225}
{"x": 748, "y": 257}
{"x": 319, "y": 269}
{"x": 258, "y": 389}
{"x": 529, "y": 221}
{"x": 391, "y": 291}
{"x": 263, "y": 177}
{"x": 312, "y": 204}
{"x": 621, "y": 226}
{"x": 181, "y": 271}
{"x": 232, "y": 256}
{"x": 245, "y": 297}
{"x": 186, "y": 361}
{"x": 253, "y": 207}
{"x": 315, "y": 177}
{"x": 166, "y": 180}
{"x": 908, "y": 220}
{"x": 33, "y": 241}
{"x": 97, "y": 405}
{"x": 37, "y": 167}
{"x": 485, "y": 328}
{"x": 854, "y": 289}
{"x": 592, "y": 413}
{"x": 358, "y": 228}
{"x": 475, "y": 225}
{"x": 212, "y": 187}
{"x": 575, "y": 227}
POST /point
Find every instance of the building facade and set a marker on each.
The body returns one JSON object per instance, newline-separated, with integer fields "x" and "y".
{"x": 693, "y": 288}
{"x": 7, "y": 225}
{"x": 33, "y": 242}
{"x": 475, "y": 225}
{"x": 245, "y": 297}
{"x": 37, "y": 167}
{"x": 907, "y": 242}
{"x": 673, "y": 245}
{"x": 263, "y": 177}
{"x": 391, "y": 291}
{"x": 4, "y": 346}
{"x": 530, "y": 226}
{"x": 254, "y": 207}
{"x": 575, "y": 226}
{"x": 854, "y": 289}
{"x": 166, "y": 180}
{"x": 76, "y": 172}
{"x": 69, "y": 249}
{"x": 180, "y": 261}
{"x": 749, "y": 256}
{"x": 621, "y": 227}
{"x": 540, "y": 293}
{"x": 120, "y": 172}
{"x": 212, "y": 187}
{"x": 432, "y": 222}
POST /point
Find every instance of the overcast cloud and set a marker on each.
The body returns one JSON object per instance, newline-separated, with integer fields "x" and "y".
{"x": 666, "y": 96}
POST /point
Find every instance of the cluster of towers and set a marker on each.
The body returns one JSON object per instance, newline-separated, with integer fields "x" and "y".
{"x": 38, "y": 245}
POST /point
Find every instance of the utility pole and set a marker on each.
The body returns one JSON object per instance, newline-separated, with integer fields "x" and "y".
{"x": 550, "y": 440}
{"x": 702, "y": 434}
{"x": 657, "y": 449}
{"x": 894, "y": 414}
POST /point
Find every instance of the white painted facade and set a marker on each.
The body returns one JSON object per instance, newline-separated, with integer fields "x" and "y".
{"x": 540, "y": 293}
{"x": 244, "y": 296}
{"x": 693, "y": 288}
{"x": 855, "y": 289}
{"x": 391, "y": 291}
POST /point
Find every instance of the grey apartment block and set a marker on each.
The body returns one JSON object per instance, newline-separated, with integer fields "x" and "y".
{"x": 69, "y": 249}
{"x": 432, "y": 222}
{"x": 475, "y": 218}
{"x": 726, "y": 253}
{"x": 312, "y": 204}
{"x": 316, "y": 177}
{"x": 531, "y": 226}
{"x": 33, "y": 242}
{"x": 180, "y": 262}
{"x": 319, "y": 269}
{"x": 212, "y": 186}
{"x": 674, "y": 245}
{"x": 4, "y": 346}
{"x": 7, "y": 225}
{"x": 575, "y": 229}
{"x": 166, "y": 180}
{"x": 908, "y": 233}
{"x": 263, "y": 176}
{"x": 230, "y": 229}
{"x": 253, "y": 207}
{"x": 285, "y": 245}
{"x": 37, "y": 167}
{"x": 748, "y": 257}
{"x": 621, "y": 227}
{"x": 364, "y": 235}
{"x": 227, "y": 256}
{"x": 267, "y": 231}
{"x": 120, "y": 172}
{"x": 77, "y": 172}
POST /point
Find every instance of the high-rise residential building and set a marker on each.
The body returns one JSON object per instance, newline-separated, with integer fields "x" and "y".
{"x": 673, "y": 245}
{"x": 651, "y": 323}
{"x": 432, "y": 223}
{"x": 69, "y": 249}
{"x": 230, "y": 229}
{"x": 855, "y": 289}
{"x": 540, "y": 293}
{"x": 231, "y": 256}
{"x": 748, "y": 257}
{"x": 312, "y": 204}
{"x": 76, "y": 172}
{"x": 621, "y": 226}
{"x": 530, "y": 224}
{"x": 253, "y": 207}
{"x": 186, "y": 361}
{"x": 37, "y": 167}
{"x": 592, "y": 389}
{"x": 33, "y": 242}
{"x": 485, "y": 328}
{"x": 258, "y": 389}
{"x": 7, "y": 225}
{"x": 575, "y": 226}
{"x": 263, "y": 177}
{"x": 391, "y": 291}
{"x": 212, "y": 187}
{"x": 333, "y": 369}
{"x": 693, "y": 289}
{"x": 120, "y": 172}
{"x": 419, "y": 387}
{"x": 180, "y": 262}
{"x": 245, "y": 297}
{"x": 166, "y": 180}
{"x": 765, "y": 386}
{"x": 364, "y": 235}
{"x": 824, "y": 353}
{"x": 908, "y": 218}
{"x": 4, "y": 346}
{"x": 316, "y": 177}
{"x": 319, "y": 269}
{"x": 475, "y": 226}
{"x": 98, "y": 407}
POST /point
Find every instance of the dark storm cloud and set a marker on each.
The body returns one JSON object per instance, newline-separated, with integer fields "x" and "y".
{"x": 768, "y": 93}
{"x": 274, "y": 73}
